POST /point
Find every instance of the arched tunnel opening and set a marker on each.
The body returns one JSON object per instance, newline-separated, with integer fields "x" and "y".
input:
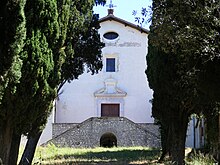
{"x": 108, "y": 140}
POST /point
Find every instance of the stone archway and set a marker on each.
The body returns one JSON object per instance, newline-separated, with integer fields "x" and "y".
{"x": 108, "y": 140}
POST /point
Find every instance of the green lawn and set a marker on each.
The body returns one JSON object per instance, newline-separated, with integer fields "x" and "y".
{"x": 118, "y": 155}
{"x": 52, "y": 155}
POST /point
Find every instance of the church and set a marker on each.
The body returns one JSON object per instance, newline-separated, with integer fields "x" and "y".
{"x": 113, "y": 107}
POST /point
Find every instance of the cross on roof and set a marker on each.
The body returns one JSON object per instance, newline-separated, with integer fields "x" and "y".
{"x": 111, "y": 5}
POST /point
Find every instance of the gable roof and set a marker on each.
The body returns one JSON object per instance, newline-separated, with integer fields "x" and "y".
{"x": 111, "y": 17}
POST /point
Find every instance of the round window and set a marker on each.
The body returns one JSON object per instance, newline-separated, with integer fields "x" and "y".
{"x": 110, "y": 35}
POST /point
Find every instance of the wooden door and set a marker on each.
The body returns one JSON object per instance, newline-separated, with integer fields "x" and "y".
{"x": 110, "y": 110}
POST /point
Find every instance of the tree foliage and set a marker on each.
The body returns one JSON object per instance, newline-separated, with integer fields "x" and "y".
{"x": 12, "y": 38}
{"x": 13, "y": 33}
{"x": 43, "y": 44}
{"x": 183, "y": 61}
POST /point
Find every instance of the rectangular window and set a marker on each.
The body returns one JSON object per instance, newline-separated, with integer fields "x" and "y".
{"x": 110, "y": 64}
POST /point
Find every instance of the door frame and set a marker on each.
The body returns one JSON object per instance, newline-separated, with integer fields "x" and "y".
{"x": 105, "y": 100}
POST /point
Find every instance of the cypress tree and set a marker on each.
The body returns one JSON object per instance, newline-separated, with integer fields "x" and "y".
{"x": 81, "y": 45}
{"x": 44, "y": 40}
{"x": 183, "y": 43}
{"x": 12, "y": 36}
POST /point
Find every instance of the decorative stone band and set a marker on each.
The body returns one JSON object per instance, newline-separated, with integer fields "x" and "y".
{"x": 125, "y": 44}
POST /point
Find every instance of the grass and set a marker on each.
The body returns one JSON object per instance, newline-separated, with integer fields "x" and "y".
{"x": 118, "y": 155}
{"x": 199, "y": 158}
{"x": 52, "y": 155}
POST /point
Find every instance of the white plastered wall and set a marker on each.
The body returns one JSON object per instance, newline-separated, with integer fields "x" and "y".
{"x": 77, "y": 102}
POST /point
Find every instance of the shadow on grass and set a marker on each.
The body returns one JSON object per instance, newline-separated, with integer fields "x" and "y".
{"x": 120, "y": 155}
{"x": 107, "y": 157}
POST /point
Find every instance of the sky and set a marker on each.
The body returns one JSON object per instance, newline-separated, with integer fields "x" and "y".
{"x": 124, "y": 9}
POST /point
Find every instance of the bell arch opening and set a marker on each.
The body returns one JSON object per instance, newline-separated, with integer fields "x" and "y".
{"x": 108, "y": 140}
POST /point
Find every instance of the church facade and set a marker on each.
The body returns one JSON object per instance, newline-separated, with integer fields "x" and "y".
{"x": 113, "y": 107}
{"x": 120, "y": 89}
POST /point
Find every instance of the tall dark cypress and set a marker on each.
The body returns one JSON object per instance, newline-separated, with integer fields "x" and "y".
{"x": 38, "y": 38}
{"x": 183, "y": 61}
{"x": 12, "y": 38}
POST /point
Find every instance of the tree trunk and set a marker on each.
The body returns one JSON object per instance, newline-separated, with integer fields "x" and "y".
{"x": 178, "y": 136}
{"x": 6, "y": 132}
{"x": 218, "y": 157}
{"x": 30, "y": 147}
{"x": 14, "y": 149}
{"x": 165, "y": 142}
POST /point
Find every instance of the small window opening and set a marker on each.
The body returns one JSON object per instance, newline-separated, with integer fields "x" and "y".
{"x": 110, "y": 64}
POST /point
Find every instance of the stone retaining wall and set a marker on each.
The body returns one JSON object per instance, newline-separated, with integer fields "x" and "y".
{"x": 89, "y": 132}
{"x": 59, "y": 128}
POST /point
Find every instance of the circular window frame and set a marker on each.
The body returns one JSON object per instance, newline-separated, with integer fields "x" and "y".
{"x": 109, "y": 39}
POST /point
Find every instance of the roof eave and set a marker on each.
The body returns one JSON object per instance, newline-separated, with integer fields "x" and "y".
{"x": 111, "y": 17}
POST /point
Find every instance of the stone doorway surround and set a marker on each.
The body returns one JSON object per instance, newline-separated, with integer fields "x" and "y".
{"x": 110, "y": 94}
